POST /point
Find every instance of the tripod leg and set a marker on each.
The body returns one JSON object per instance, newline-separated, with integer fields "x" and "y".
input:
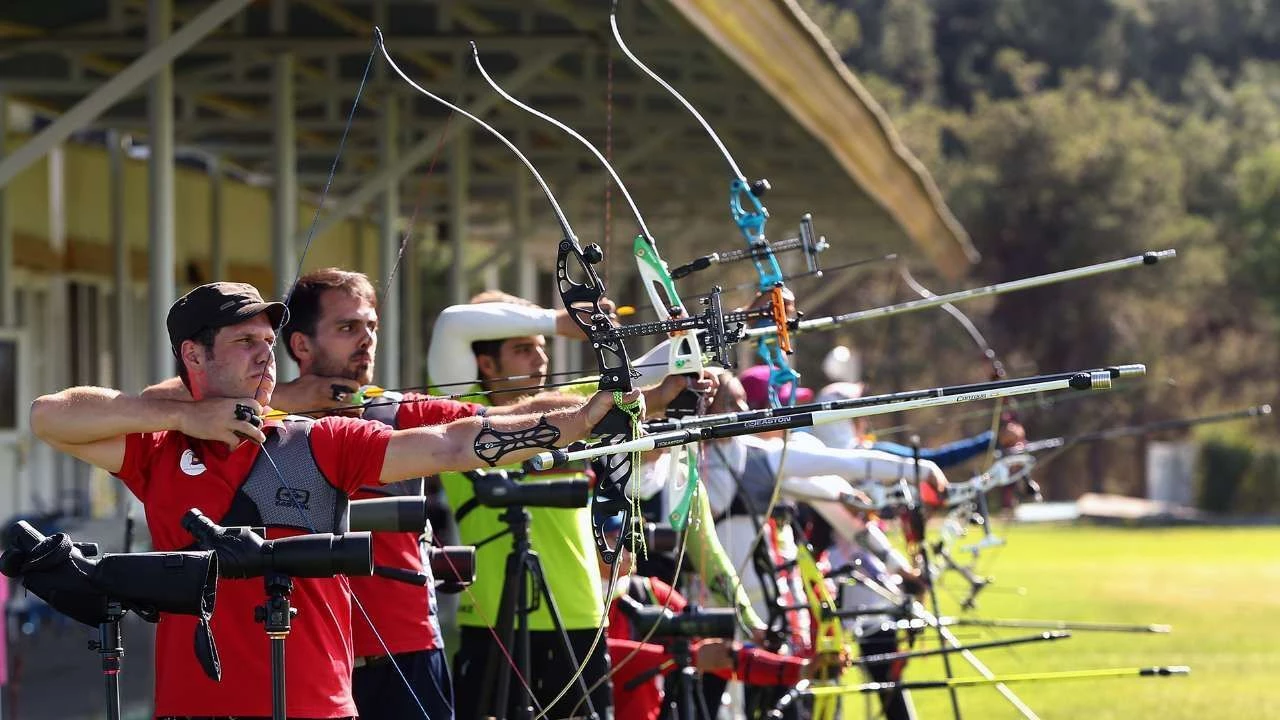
{"x": 109, "y": 647}
{"x": 540, "y": 583}
{"x": 496, "y": 674}
{"x": 524, "y": 654}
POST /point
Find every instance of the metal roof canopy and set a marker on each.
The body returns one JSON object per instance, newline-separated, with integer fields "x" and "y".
{"x": 557, "y": 55}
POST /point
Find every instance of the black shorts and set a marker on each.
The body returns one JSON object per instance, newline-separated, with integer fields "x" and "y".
{"x": 425, "y": 691}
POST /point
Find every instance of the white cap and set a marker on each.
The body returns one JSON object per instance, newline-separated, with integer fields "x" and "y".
{"x": 842, "y": 365}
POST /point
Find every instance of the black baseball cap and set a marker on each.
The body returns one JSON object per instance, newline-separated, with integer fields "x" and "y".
{"x": 218, "y": 305}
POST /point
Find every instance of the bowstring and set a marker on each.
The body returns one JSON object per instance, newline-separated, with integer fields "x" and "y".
{"x": 882, "y": 341}
{"x": 311, "y": 232}
{"x": 615, "y": 667}
{"x": 408, "y": 234}
{"x": 757, "y": 538}
{"x": 564, "y": 226}
{"x": 635, "y": 458}
{"x": 632, "y": 410}
{"x": 413, "y": 217}
{"x": 382, "y": 399}
{"x": 506, "y": 652}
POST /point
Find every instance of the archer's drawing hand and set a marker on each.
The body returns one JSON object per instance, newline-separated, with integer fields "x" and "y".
{"x": 310, "y": 393}
{"x": 217, "y": 419}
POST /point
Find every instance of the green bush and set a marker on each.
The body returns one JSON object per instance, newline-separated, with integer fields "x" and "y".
{"x": 1233, "y": 478}
{"x": 1259, "y": 492}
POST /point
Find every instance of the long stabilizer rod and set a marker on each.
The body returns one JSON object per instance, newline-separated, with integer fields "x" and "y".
{"x": 1099, "y": 379}
{"x": 833, "y": 321}
{"x": 1131, "y": 430}
{"x": 806, "y": 688}
{"x": 1069, "y": 625}
{"x": 884, "y": 658}
{"x": 1115, "y": 372}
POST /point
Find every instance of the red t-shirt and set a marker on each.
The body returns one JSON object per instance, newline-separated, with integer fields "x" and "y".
{"x": 164, "y": 471}
{"x": 404, "y": 615}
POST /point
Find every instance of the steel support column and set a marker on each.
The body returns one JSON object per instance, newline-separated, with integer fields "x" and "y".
{"x": 284, "y": 213}
{"x": 459, "y": 181}
{"x": 526, "y": 267}
{"x": 123, "y": 340}
{"x": 8, "y": 313}
{"x": 217, "y": 251}
{"x": 388, "y": 253}
{"x": 58, "y": 315}
{"x": 490, "y": 275}
{"x": 160, "y": 239}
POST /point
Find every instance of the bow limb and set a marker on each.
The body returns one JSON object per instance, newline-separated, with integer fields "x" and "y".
{"x": 685, "y": 355}
{"x": 750, "y": 216}
{"x": 997, "y": 367}
{"x": 997, "y": 373}
{"x": 582, "y": 293}
{"x": 830, "y": 638}
{"x": 286, "y": 488}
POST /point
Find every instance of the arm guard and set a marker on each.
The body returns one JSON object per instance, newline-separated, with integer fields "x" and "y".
{"x": 492, "y": 445}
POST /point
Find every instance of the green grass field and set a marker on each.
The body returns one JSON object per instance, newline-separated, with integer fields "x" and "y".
{"x": 1218, "y": 587}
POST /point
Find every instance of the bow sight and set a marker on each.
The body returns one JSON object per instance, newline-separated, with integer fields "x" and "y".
{"x": 719, "y": 330}
{"x": 807, "y": 243}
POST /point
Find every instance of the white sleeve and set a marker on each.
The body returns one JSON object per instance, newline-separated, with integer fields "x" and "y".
{"x": 653, "y": 477}
{"x": 658, "y": 359}
{"x": 825, "y": 493}
{"x": 856, "y": 465}
{"x": 450, "y": 360}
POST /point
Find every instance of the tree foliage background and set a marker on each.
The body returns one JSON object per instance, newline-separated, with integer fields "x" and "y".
{"x": 1064, "y": 134}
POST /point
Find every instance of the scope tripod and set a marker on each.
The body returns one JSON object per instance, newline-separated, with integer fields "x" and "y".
{"x": 523, "y": 573}
{"x": 275, "y": 617}
{"x": 110, "y": 646}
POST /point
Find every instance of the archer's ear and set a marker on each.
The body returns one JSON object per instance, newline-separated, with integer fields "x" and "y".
{"x": 300, "y": 344}
{"x": 486, "y": 366}
{"x": 191, "y": 353}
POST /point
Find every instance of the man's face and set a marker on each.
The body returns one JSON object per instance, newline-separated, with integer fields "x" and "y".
{"x": 346, "y": 339}
{"x": 240, "y": 363}
{"x": 521, "y": 356}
